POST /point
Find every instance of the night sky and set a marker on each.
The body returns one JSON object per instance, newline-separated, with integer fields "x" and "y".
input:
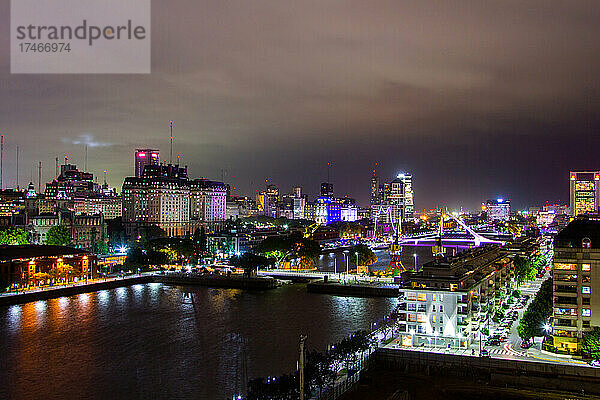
{"x": 476, "y": 99}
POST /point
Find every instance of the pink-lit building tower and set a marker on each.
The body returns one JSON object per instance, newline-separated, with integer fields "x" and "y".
{"x": 145, "y": 157}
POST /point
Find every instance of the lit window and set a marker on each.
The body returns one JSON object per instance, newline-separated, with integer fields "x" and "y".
{"x": 586, "y": 312}
{"x": 585, "y": 267}
{"x": 422, "y": 318}
{"x": 421, "y": 297}
{"x": 565, "y": 266}
{"x": 586, "y": 290}
{"x": 433, "y": 319}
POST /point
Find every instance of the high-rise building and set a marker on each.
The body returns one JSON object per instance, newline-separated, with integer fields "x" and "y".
{"x": 498, "y": 210}
{"x": 327, "y": 189}
{"x": 145, "y": 157}
{"x": 585, "y": 192}
{"x": 159, "y": 197}
{"x": 299, "y": 203}
{"x": 397, "y": 197}
{"x": 401, "y": 197}
{"x": 208, "y": 200}
{"x": 576, "y": 281}
{"x": 70, "y": 182}
{"x": 444, "y": 298}
{"x": 375, "y": 194}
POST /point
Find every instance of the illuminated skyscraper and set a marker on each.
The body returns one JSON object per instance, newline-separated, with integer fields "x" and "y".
{"x": 585, "y": 192}
{"x": 401, "y": 197}
{"x": 498, "y": 210}
{"x": 145, "y": 157}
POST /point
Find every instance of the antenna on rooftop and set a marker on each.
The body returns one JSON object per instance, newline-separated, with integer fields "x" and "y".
{"x": 171, "y": 153}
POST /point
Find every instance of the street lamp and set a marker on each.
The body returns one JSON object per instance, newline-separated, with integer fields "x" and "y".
{"x": 415, "y": 256}
{"x": 346, "y": 259}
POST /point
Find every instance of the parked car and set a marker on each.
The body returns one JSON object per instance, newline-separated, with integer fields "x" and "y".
{"x": 526, "y": 345}
{"x": 595, "y": 363}
{"x": 484, "y": 353}
{"x": 493, "y": 341}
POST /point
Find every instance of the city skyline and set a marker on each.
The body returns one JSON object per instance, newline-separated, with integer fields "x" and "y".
{"x": 475, "y": 100}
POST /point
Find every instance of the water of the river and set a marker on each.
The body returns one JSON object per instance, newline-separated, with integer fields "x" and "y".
{"x": 150, "y": 341}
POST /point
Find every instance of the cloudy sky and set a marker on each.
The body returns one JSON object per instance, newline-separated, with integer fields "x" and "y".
{"x": 476, "y": 99}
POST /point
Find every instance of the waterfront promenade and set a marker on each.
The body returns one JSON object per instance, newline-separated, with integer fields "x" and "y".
{"x": 217, "y": 281}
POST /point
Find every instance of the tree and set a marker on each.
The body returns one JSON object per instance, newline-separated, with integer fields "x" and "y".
{"x": 58, "y": 236}
{"x": 289, "y": 247}
{"x": 537, "y": 313}
{"x": 591, "y": 343}
{"x": 365, "y": 254}
{"x": 250, "y": 262}
{"x": 13, "y": 236}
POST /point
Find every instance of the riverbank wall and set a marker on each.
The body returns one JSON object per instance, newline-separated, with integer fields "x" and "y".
{"x": 215, "y": 281}
{"x": 352, "y": 290}
{"x": 494, "y": 372}
{"x": 52, "y": 293}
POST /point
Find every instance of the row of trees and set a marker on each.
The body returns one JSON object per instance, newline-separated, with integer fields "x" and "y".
{"x": 156, "y": 249}
{"x": 526, "y": 268}
{"x": 57, "y": 236}
{"x": 537, "y": 313}
{"x": 13, "y": 236}
{"x": 320, "y": 370}
{"x": 290, "y": 247}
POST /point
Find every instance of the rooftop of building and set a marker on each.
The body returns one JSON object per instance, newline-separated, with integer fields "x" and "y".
{"x": 466, "y": 268}
{"x": 584, "y": 228}
{"x": 23, "y": 252}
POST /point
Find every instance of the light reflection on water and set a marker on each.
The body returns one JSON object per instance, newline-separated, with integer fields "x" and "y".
{"x": 156, "y": 341}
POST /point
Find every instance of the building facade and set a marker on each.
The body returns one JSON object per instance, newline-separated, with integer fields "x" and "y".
{"x": 145, "y": 157}
{"x": 576, "y": 280}
{"x": 584, "y": 192}
{"x": 447, "y": 301}
{"x": 498, "y": 210}
{"x": 160, "y": 197}
{"x": 208, "y": 200}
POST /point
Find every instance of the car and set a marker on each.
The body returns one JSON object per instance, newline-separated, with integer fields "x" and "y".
{"x": 526, "y": 345}
{"x": 484, "y": 353}
{"x": 594, "y": 363}
{"x": 493, "y": 342}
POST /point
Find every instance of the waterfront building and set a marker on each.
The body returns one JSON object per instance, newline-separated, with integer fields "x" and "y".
{"x": 576, "y": 279}
{"x": 497, "y": 210}
{"x": 584, "y": 192}
{"x": 144, "y": 157}
{"x": 30, "y": 265}
{"x": 448, "y": 299}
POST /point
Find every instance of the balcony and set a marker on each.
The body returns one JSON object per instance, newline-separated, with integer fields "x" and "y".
{"x": 563, "y": 323}
{"x": 569, "y": 301}
{"x": 560, "y": 289}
